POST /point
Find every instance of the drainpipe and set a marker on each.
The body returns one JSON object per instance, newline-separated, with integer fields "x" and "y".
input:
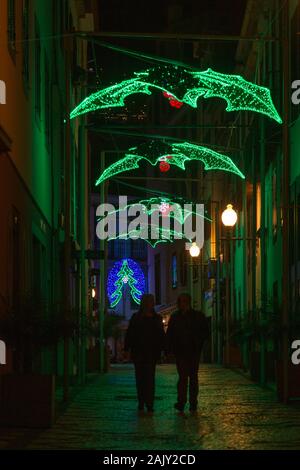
{"x": 218, "y": 309}
{"x": 67, "y": 242}
{"x": 286, "y": 198}
{"x": 102, "y": 275}
{"x": 253, "y": 234}
{"x": 263, "y": 272}
{"x": 82, "y": 234}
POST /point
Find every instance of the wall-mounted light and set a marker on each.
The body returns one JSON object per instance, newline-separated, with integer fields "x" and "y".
{"x": 194, "y": 250}
{"x": 229, "y": 216}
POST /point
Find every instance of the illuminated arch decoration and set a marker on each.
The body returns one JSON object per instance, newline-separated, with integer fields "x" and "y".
{"x": 156, "y": 151}
{"x": 125, "y": 272}
{"x": 155, "y": 234}
{"x": 163, "y": 205}
{"x": 185, "y": 86}
{"x": 161, "y": 235}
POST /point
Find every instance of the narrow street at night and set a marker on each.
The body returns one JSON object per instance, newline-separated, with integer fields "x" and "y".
{"x": 150, "y": 231}
{"x": 234, "y": 413}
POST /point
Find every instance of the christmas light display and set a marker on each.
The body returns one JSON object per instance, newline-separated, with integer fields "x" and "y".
{"x": 156, "y": 151}
{"x": 166, "y": 206}
{"x": 155, "y": 235}
{"x": 185, "y": 86}
{"x": 125, "y": 272}
{"x": 172, "y": 100}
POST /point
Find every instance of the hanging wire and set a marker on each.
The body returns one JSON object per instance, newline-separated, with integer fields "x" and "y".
{"x": 141, "y": 56}
{"x": 156, "y": 136}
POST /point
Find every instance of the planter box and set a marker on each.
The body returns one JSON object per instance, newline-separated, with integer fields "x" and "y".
{"x": 293, "y": 380}
{"x": 27, "y": 400}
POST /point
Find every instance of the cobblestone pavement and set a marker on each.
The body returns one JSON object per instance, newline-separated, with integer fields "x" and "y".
{"x": 234, "y": 414}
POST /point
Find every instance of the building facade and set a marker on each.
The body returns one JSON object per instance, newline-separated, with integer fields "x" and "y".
{"x": 43, "y": 164}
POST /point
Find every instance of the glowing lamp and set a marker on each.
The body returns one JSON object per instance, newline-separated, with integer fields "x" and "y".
{"x": 194, "y": 250}
{"x": 229, "y": 216}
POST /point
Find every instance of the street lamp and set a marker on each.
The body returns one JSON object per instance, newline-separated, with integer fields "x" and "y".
{"x": 229, "y": 216}
{"x": 194, "y": 250}
{"x": 229, "y": 219}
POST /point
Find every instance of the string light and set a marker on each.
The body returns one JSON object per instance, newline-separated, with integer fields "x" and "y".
{"x": 185, "y": 86}
{"x": 156, "y": 151}
{"x": 125, "y": 272}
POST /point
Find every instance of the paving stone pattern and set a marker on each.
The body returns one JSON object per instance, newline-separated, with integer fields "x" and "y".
{"x": 234, "y": 413}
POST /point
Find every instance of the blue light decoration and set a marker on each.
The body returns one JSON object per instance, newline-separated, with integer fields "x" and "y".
{"x": 125, "y": 272}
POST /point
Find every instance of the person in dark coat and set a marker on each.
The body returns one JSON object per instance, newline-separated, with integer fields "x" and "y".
{"x": 145, "y": 338}
{"x": 187, "y": 331}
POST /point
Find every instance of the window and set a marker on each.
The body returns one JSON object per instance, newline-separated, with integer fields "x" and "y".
{"x": 16, "y": 234}
{"x": 120, "y": 248}
{"x": 183, "y": 267}
{"x": 139, "y": 249}
{"x": 157, "y": 278}
{"x": 11, "y": 26}
{"x": 174, "y": 271}
{"x": 47, "y": 104}
{"x": 274, "y": 202}
{"x": 39, "y": 270}
{"x": 25, "y": 43}
{"x": 37, "y": 85}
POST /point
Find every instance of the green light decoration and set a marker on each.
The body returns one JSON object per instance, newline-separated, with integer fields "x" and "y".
{"x": 185, "y": 86}
{"x": 125, "y": 272}
{"x": 177, "y": 154}
{"x": 163, "y": 205}
{"x": 159, "y": 234}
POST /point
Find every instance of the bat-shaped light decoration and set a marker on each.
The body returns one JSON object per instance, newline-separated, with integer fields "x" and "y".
{"x": 166, "y": 154}
{"x": 184, "y": 86}
{"x": 156, "y": 235}
{"x": 150, "y": 229}
{"x": 176, "y": 208}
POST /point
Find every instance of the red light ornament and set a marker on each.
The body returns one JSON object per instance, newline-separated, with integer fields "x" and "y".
{"x": 164, "y": 208}
{"x": 172, "y": 100}
{"x": 164, "y": 166}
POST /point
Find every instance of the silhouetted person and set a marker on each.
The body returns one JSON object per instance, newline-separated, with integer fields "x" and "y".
{"x": 187, "y": 331}
{"x": 145, "y": 339}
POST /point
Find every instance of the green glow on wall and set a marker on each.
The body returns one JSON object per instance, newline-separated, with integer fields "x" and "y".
{"x": 185, "y": 86}
{"x": 157, "y": 151}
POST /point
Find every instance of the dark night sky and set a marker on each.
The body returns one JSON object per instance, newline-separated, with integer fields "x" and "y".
{"x": 209, "y": 16}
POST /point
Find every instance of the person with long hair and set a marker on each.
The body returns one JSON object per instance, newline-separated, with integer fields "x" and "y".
{"x": 145, "y": 338}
